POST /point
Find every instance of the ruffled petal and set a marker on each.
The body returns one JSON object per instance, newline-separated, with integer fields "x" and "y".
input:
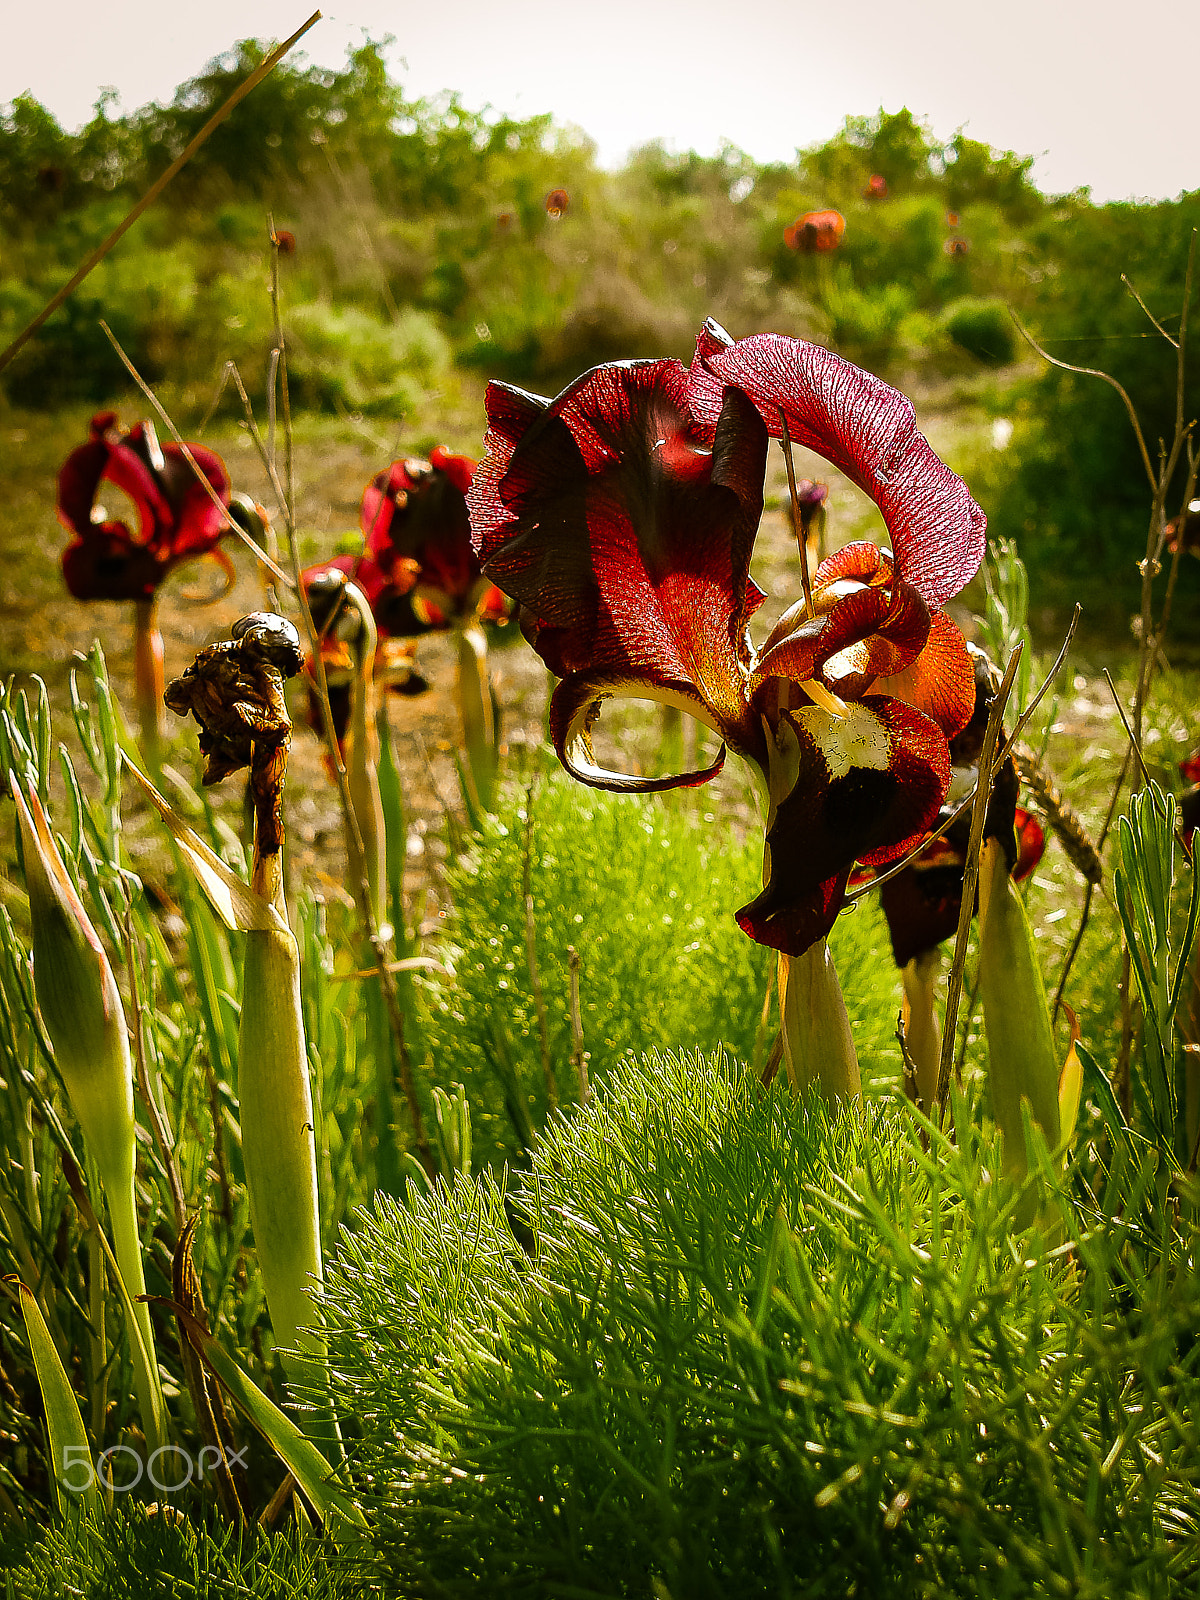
{"x": 940, "y": 680}
{"x": 625, "y": 531}
{"x": 868, "y": 430}
{"x": 866, "y": 634}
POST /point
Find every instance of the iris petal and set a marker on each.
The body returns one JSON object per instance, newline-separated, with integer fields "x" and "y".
{"x": 625, "y": 531}
{"x": 867, "y": 787}
{"x": 574, "y": 707}
{"x": 868, "y": 430}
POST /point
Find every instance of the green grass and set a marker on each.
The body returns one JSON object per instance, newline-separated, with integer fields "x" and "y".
{"x": 645, "y": 891}
{"x": 162, "y": 1555}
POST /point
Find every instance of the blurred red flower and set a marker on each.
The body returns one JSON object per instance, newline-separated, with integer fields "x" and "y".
{"x": 177, "y": 519}
{"x": 557, "y": 203}
{"x": 876, "y": 187}
{"x": 417, "y": 568}
{"x": 816, "y": 232}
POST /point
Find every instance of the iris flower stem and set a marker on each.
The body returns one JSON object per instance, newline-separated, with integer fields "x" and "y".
{"x": 148, "y": 677}
{"x": 922, "y": 1033}
{"x": 475, "y": 704}
{"x": 818, "y": 1044}
{"x": 362, "y": 776}
{"x": 358, "y": 884}
{"x": 127, "y": 1248}
{"x": 98, "y": 1352}
{"x": 983, "y": 792}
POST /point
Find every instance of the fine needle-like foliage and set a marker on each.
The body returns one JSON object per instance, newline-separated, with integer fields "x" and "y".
{"x": 761, "y": 1349}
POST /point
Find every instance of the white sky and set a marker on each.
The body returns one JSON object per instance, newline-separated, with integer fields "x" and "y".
{"x": 1102, "y": 92}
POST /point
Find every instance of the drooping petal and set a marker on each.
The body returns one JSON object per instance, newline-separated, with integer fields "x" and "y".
{"x": 625, "y": 531}
{"x": 868, "y": 430}
{"x": 922, "y": 903}
{"x": 867, "y": 787}
{"x": 106, "y": 564}
{"x": 197, "y": 524}
{"x": 574, "y": 708}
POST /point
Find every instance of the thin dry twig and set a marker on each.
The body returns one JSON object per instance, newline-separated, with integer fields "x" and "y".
{"x": 786, "y": 446}
{"x": 156, "y": 188}
{"x": 1174, "y": 343}
{"x": 988, "y": 764}
{"x": 1156, "y": 534}
{"x": 1093, "y": 372}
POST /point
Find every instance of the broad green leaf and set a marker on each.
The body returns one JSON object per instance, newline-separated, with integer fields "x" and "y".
{"x": 298, "y": 1453}
{"x": 238, "y": 906}
{"x": 71, "y": 1455}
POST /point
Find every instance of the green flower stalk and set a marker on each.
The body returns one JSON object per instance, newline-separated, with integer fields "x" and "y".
{"x": 349, "y": 646}
{"x": 363, "y": 771}
{"x": 818, "y": 1046}
{"x": 922, "y": 1030}
{"x": 148, "y": 676}
{"x": 235, "y": 691}
{"x": 1024, "y": 1063}
{"x": 81, "y": 1007}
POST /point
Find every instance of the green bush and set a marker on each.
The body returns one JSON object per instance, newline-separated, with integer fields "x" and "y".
{"x": 865, "y": 325}
{"x": 764, "y": 1351}
{"x": 343, "y": 358}
{"x": 982, "y": 328}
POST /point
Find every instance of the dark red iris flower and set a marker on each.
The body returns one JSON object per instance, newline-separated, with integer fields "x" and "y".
{"x": 622, "y": 517}
{"x": 417, "y": 569}
{"x": 816, "y": 232}
{"x": 177, "y": 520}
{"x": 876, "y": 187}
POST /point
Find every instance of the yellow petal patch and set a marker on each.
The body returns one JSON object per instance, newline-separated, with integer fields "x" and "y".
{"x": 859, "y": 739}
